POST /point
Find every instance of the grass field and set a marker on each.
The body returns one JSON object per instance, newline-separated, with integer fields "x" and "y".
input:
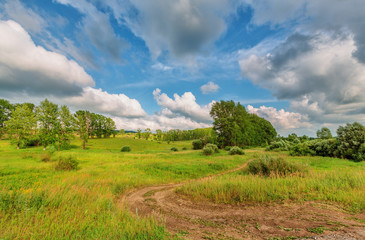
{"x": 38, "y": 202}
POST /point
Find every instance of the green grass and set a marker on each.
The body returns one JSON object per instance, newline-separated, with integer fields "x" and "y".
{"x": 38, "y": 202}
{"x": 330, "y": 180}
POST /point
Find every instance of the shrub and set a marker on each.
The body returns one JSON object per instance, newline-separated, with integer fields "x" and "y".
{"x": 227, "y": 148}
{"x": 174, "y": 149}
{"x": 213, "y": 147}
{"x": 236, "y": 151}
{"x": 125, "y": 149}
{"x": 208, "y": 151}
{"x": 267, "y": 165}
{"x": 51, "y": 149}
{"x": 280, "y": 144}
{"x": 67, "y": 163}
{"x": 198, "y": 144}
{"x": 184, "y": 148}
{"x": 46, "y": 157}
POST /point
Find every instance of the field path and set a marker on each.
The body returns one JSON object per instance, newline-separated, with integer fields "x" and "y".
{"x": 205, "y": 220}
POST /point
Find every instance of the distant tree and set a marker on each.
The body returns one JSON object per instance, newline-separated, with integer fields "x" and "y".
{"x": 65, "y": 127}
{"x": 21, "y": 124}
{"x": 147, "y": 133}
{"x": 122, "y": 131}
{"x": 158, "y": 135}
{"x": 82, "y": 124}
{"x": 47, "y": 114}
{"x": 108, "y": 127}
{"x": 139, "y": 133}
{"x": 324, "y": 133}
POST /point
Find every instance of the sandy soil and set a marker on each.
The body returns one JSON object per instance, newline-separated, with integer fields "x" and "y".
{"x": 205, "y": 220}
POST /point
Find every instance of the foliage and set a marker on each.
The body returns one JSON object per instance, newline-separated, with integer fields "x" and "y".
{"x": 125, "y": 149}
{"x": 174, "y": 149}
{"x": 236, "y": 151}
{"x": 266, "y": 165}
{"x": 147, "y": 133}
{"x": 5, "y": 111}
{"x": 82, "y": 123}
{"x": 67, "y": 163}
{"x": 46, "y": 157}
{"x": 212, "y": 146}
{"x": 352, "y": 139}
{"x": 47, "y": 114}
{"x": 235, "y": 127}
{"x": 21, "y": 125}
{"x": 210, "y": 149}
{"x": 324, "y": 133}
{"x": 198, "y": 144}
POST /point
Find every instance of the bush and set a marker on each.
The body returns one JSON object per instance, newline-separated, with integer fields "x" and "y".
{"x": 125, "y": 149}
{"x": 236, "y": 151}
{"x": 281, "y": 145}
{"x": 213, "y": 147}
{"x": 227, "y": 148}
{"x": 174, "y": 149}
{"x": 184, "y": 148}
{"x": 46, "y": 157}
{"x": 267, "y": 165}
{"x": 207, "y": 151}
{"x": 198, "y": 144}
{"x": 67, "y": 163}
{"x": 51, "y": 149}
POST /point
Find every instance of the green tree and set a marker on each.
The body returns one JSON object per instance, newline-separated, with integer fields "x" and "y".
{"x": 82, "y": 124}
{"x": 158, "y": 135}
{"x": 352, "y": 141}
{"x": 47, "y": 114}
{"x": 21, "y": 125}
{"x": 65, "y": 127}
{"x": 139, "y": 133}
{"x": 5, "y": 111}
{"x": 324, "y": 133}
{"x": 147, "y": 133}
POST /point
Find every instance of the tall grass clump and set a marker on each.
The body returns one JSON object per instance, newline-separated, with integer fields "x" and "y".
{"x": 67, "y": 163}
{"x": 125, "y": 149}
{"x": 236, "y": 151}
{"x": 267, "y": 165}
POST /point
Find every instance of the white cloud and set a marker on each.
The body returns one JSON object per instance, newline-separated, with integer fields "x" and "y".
{"x": 322, "y": 80}
{"x": 25, "y": 66}
{"x": 209, "y": 87}
{"x": 280, "y": 119}
{"x": 161, "y": 67}
{"x": 103, "y": 102}
{"x": 184, "y": 105}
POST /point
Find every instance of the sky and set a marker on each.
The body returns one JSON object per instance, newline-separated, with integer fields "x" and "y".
{"x": 162, "y": 64}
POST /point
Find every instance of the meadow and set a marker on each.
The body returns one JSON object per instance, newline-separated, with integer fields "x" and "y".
{"x": 39, "y": 202}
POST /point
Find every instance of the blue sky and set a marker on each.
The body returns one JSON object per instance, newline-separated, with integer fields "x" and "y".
{"x": 161, "y": 64}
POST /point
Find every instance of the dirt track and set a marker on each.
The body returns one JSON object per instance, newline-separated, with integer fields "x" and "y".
{"x": 206, "y": 220}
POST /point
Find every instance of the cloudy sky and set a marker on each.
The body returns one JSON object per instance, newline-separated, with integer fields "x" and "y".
{"x": 161, "y": 64}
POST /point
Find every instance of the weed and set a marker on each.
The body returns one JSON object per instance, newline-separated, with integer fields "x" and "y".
{"x": 317, "y": 230}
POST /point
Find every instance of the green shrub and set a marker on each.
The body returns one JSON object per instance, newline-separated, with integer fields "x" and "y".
{"x": 267, "y": 165}
{"x": 198, "y": 144}
{"x": 227, "y": 148}
{"x": 67, "y": 163}
{"x": 236, "y": 151}
{"x": 46, "y": 157}
{"x": 184, "y": 148}
{"x": 208, "y": 151}
{"x": 281, "y": 145}
{"x": 125, "y": 149}
{"x": 174, "y": 149}
{"x": 213, "y": 147}
{"x": 51, "y": 149}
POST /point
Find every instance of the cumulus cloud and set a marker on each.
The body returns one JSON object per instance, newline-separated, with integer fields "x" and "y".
{"x": 182, "y": 27}
{"x": 27, "y": 67}
{"x": 318, "y": 74}
{"x": 184, "y": 105}
{"x": 103, "y": 102}
{"x": 209, "y": 87}
{"x": 280, "y": 119}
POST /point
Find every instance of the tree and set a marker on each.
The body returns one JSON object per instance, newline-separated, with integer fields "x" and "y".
{"x": 158, "y": 134}
{"x": 324, "y": 133}
{"x": 82, "y": 124}
{"x": 21, "y": 125}
{"x": 65, "y": 127}
{"x": 47, "y": 114}
{"x": 139, "y": 133}
{"x": 5, "y": 111}
{"x": 352, "y": 141}
{"x": 147, "y": 133}
{"x": 234, "y": 126}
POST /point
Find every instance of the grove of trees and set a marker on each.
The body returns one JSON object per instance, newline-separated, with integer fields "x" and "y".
{"x": 48, "y": 124}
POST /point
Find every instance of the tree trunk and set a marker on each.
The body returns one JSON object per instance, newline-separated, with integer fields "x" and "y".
{"x": 17, "y": 146}
{"x": 83, "y": 144}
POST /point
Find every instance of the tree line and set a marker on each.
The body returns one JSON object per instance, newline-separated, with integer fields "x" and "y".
{"x": 49, "y": 124}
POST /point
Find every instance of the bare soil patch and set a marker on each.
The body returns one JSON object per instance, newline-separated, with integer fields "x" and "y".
{"x": 205, "y": 220}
